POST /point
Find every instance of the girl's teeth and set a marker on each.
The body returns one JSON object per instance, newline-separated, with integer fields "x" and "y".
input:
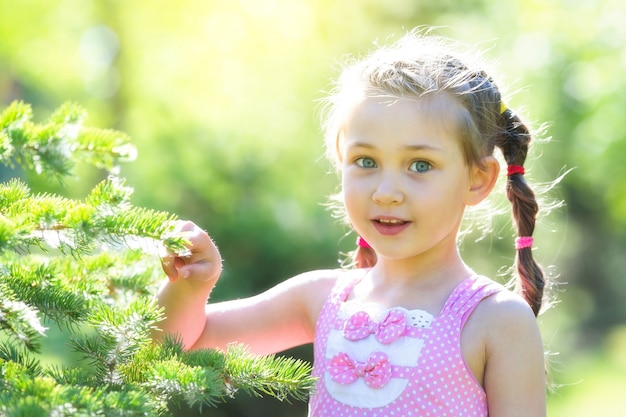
{"x": 390, "y": 221}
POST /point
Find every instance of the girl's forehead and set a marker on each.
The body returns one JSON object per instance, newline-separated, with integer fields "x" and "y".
{"x": 402, "y": 123}
{"x": 439, "y": 111}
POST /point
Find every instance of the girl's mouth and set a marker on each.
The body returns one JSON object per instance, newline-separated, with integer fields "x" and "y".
{"x": 389, "y": 221}
{"x": 390, "y": 227}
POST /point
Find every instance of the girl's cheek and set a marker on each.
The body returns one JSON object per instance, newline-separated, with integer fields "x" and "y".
{"x": 358, "y": 184}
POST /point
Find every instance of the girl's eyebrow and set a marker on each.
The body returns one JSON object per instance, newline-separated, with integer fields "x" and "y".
{"x": 407, "y": 147}
{"x": 359, "y": 145}
{"x": 424, "y": 148}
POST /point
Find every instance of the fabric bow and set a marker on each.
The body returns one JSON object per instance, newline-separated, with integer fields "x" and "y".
{"x": 360, "y": 326}
{"x": 376, "y": 371}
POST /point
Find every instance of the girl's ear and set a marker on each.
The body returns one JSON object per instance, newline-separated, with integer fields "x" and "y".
{"x": 483, "y": 177}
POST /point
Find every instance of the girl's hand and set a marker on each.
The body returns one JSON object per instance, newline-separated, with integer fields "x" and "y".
{"x": 203, "y": 263}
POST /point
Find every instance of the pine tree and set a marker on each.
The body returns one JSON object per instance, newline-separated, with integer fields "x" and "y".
{"x": 91, "y": 267}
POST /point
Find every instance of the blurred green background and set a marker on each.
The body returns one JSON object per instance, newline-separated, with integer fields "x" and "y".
{"x": 222, "y": 98}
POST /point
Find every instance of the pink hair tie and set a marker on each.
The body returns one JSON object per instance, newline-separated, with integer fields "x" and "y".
{"x": 523, "y": 242}
{"x": 362, "y": 243}
{"x": 515, "y": 169}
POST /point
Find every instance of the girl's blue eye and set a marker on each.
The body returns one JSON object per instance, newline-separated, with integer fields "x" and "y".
{"x": 366, "y": 163}
{"x": 420, "y": 166}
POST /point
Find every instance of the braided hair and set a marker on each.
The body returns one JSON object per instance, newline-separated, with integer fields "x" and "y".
{"x": 514, "y": 143}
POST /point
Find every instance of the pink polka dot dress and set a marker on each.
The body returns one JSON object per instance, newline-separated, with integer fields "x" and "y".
{"x": 377, "y": 362}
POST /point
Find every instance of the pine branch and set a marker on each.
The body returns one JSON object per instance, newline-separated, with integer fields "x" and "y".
{"x": 42, "y": 284}
{"x": 104, "y": 148}
{"x": 207, "y": 377}
{"x": 95, "y": 351}
{"x": 113, "y": 275}
{"x": 54, "y": 147}
{"x": 277, "y": 376}
{"x": 22, "y": 394}
{"x": 102, "y": 293}
{"x": 19, "y": 320}
{"x": 75, "y": 227}
{"x": 119, "y": 336}
{"x": 11, "y": 354}
{"x": 184, "y": 385}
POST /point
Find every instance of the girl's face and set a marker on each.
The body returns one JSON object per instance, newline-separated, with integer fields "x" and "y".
{"x": 404, "y": 177}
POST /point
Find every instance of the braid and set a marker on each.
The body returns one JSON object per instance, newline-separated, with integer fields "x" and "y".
{"x": 514, "y": 143}
{"x": 364, "y": 257}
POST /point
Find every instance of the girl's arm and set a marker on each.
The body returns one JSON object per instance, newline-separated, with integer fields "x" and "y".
{"x": 514, "y": 368}
{"x": 190, "y": 281}
{"x": 280, "y": 318}
{"x": 277, "y": 319}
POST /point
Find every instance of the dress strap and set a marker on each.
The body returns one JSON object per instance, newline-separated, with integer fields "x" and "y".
{"x": 346, "y": 283}
{"x": 468, "y": 294}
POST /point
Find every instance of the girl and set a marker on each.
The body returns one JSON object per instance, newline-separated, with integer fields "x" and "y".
{"x": 412, "y": 330}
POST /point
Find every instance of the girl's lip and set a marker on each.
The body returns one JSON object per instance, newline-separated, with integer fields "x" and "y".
{"x": 389, "y": 226}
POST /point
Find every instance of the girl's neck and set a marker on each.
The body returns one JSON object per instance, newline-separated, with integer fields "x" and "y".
{"x": 446, "y": 266}
{"x": 423, "y": 281}
{"x": 411, "y": 285}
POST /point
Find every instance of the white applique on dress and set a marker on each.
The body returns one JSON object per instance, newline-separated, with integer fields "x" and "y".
{"x": 371, "y": 352}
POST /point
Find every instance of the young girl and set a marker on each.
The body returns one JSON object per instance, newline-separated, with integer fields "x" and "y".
{"x": 411, "y": 330}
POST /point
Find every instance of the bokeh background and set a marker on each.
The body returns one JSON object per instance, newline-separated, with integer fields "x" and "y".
{"x": 222, "y": 100}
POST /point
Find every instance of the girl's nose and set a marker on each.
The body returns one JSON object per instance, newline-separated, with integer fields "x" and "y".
{"x": 388, "y": 191}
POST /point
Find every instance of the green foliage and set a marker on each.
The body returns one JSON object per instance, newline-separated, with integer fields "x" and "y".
{"x": 54, "y": 146}
{"x": 90, "y": 267}
{"x": 254, "y": 376}
{"x": 69, "y": 225}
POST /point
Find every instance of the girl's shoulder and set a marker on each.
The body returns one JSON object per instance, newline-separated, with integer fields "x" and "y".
{"x": 506, "y": 303}
{"x": 502, "y": 329}
{"x": 503, "y": 303}
{"x": 322, "y": 281}
{"x": 503, "y": 313}
{"x": 316, "y": 286}
{"x": 512, "y": 353}
{"x": 327, "y": 278}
